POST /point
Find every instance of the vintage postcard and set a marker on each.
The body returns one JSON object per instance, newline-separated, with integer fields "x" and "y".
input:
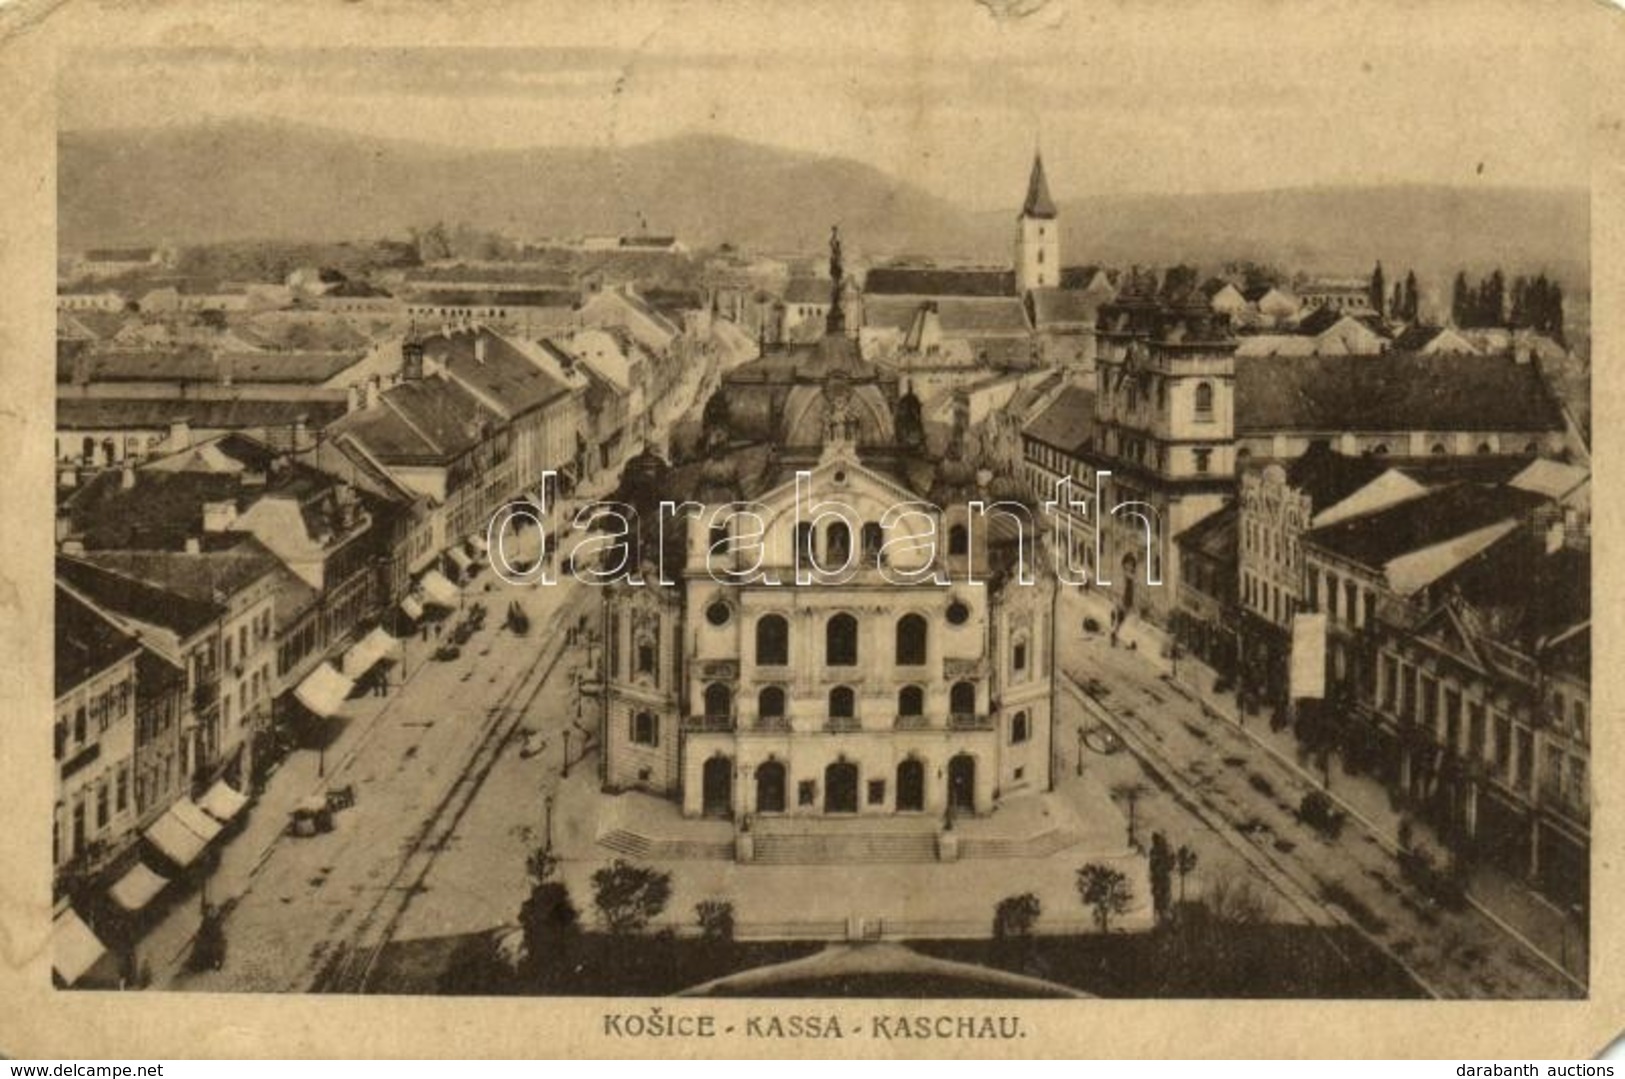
{"x": 1013, "y": 528}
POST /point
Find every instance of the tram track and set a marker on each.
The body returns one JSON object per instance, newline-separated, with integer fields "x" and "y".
{"x": 348, "y": 965}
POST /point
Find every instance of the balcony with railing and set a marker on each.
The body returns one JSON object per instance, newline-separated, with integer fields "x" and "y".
{"x": 708, "y": 724}
{"x": 969, "y": 721}
{"x": 842, "y": 724}
{"x": 913, "y": 723}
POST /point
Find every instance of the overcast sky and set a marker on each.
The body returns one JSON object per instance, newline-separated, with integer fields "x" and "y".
{"x": 944, "y": 94}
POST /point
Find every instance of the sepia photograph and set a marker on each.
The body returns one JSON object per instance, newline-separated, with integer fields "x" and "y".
{"x": 976, "y": 502}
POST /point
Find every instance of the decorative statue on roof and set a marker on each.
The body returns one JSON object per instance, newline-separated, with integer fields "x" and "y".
{"x": 909, "y": 421}
{"x": 836, "y": 269}
{"x": 716, "y": 422}
{"x": 835, "y": 321}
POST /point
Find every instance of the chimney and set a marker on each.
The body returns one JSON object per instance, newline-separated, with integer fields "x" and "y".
{"x": 479, "y": 349}
{"x": 127, "y": 476}
{"x": 193, "y": 545}
{"x": 411, "y": 359}
{"x": 180, "y": 434}
{"x": 352, "y": 398}
{"x": 1556, "y": 535}
{"x": 373, "y": 392}
{"x": 301, "y": 433}
{"x": 223, "y": 362}
{"x": 64, "y": 528}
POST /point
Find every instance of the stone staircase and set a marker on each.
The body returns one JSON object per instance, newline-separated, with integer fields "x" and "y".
{"x": 824, "y": 847}
{"x": 1041, "y": 845}
{"x": 634, "y": 845}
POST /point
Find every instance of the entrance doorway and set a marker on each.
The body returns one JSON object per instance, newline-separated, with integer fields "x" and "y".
{"x": 841, "y": 788}
{"x": 716, "y": 798}
{"x": 910, "y": 786}
{"x": 770, "y": 787}
{"x": 962, "y": 783}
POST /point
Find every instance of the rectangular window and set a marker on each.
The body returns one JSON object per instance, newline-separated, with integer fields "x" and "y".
{"x": 1390, "y": 683}
{"x": 1503, "y": 747}
{"x": 1430, "y": 702}
{"x": 807, "y": 792}
{"x": 1407, "y": 693}
{"x": 101, "y": 806}
{"x": 1314, "y": 590}
{"x": 1526, "y": 758}
{"x": 1331, "y": 597}
{"x": 1019, "y": 660}
{"x": 1204, "y": 460}
{"x": 1351, "y": 606}
{"x": 877, "y": 792}
{"x": 121, "y": 798}
{"x": 1580, "y": 720}
{"x": 1475, "y": 730}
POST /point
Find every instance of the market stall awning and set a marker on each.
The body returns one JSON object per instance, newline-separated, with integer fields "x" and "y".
{"x": 182, "y": 832}
{"x": 459, "y": 558}
{"x": 323, "y": 691}
{"x": 438, "y": 590}
{"x": 370, "y": 651}
{"x": 412, "y": 608}
{"x": 74, "y": 948}
{"x": 477, "y": 542}
{"x": 137, "y": 888}
{"x": 223, "y": 801}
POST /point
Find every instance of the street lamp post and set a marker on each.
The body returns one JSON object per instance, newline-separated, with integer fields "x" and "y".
{"x": 547, "y": 803}
{"x": 1080, "y": 750}
{"x": 565, "y": 773}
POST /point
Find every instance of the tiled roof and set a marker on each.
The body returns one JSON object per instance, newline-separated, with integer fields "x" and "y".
{"x": 309, "y": 367}
{"x": 807, "y": 290}
{"x": 1328, "y": 477}
{"x": 1214, "y": 535}
{"x": 136, "y": 599}
{"x": 532, "y": 276}
{"x": 919, "y": 281}
{"x": 1038, "y": 203}
{"x": 958, "y": 316}
{"x": 431, "y": 419}
{"x": 87, "y": 642}
{"x": 1519, "y": 593}
{"x": 204, "y": 414}
{"x": 120, "y": 254}
{"x": 1068, "y": 423}
{"x": 1064, "y": 306}
{"x": 1392, "y": 391}
{"x": 1376, "y": 539}
{"x": 505, "y": 378}
{"x": 539, "y": 297}
{"x": 209, "y": 577}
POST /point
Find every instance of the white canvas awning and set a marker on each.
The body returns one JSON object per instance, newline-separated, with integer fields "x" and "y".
{"x": 438, "y": 590}
{"x": 368, "y": 652}
{"x": 223, "y": 802}
{"x": 477, "y": 542}
{"x": 412, "y": 608}
{"x": 459, "y": 558}
{"x": 323, "y": 691}
{"x": 183, "y": 832}
{"x": 137, "y": 888}
{"x": 74, "y": 948}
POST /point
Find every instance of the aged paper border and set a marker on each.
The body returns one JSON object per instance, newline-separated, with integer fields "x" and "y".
{"x": 36, "y": 1021}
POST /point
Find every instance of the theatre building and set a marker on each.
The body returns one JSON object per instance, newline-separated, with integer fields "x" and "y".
{"x": 859, "y": 694}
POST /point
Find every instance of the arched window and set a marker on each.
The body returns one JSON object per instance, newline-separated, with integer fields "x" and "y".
{"x": 1204, "y": 400}
{"x": 770, "y": 703}
{"x": 911, "y": 640}
{"x": 958, "y": 540}
{"x": 838, "y": 544}
{"x": 911, "y": 701}
{"x": 645, "y": 730}
{"x": 843, "y": 703}
{"x": 772, "y": 641}
{"x": 719, "y": 701}
{"x": 1380, "y": 449}
{"x": 1438, "y": 448}
{"x": 1484, "y": 447}
{"x": 962, "y": 699}
{"x": 873, "y": 538}
{"x": 1018, "y": 654}
{"x": 1020, "y": 731}
{"x": 841, "y": 641}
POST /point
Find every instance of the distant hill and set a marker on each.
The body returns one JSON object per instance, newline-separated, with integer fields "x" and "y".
{"x": 245, "y": 180}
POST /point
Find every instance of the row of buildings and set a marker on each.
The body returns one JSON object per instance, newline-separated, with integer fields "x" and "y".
{"x": 220, "y": 593}
{"x": 1430, "y": 505}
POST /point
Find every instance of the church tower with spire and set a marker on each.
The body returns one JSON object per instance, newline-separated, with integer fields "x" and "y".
{"x": 1038, "y": 235}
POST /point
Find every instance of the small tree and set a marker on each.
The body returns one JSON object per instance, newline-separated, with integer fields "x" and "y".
{"x": 1162, "y": 866}
{"x": 1185, "y": 863}
{"x": 629, "y": 897}
{"x": 716, "y": 918}
{"x": 1130, "y": 794}
{"x": 1105, "y": 891}
{"x": 1015, "y": 916}
{"x": 548, "y": 922}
